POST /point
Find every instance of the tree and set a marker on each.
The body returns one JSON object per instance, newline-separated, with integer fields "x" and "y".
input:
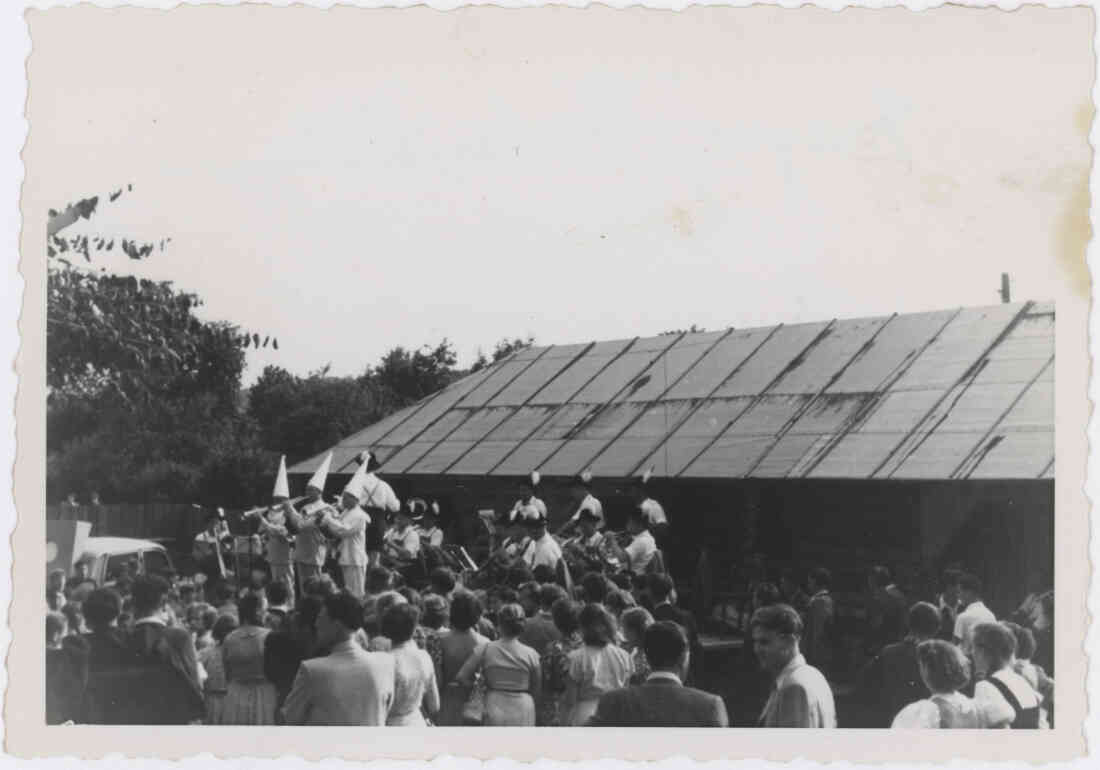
{"x": 504, "y": 348}
{"x": 302, "y": 416}
{"x": 403, "y": 377}
{"x": 143, "y": 399}
{"x": 693, "y": 330}
{"x": 106, "y": 331}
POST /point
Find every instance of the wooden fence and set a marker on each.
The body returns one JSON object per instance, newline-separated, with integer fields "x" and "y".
{"x": 177, "y": 522}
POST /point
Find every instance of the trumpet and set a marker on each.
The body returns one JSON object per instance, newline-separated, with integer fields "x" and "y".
{"x": 262, "y": 509}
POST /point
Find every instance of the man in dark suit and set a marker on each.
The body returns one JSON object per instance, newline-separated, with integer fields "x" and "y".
{"x": 892, "y": 679}
{"x": 162, "y": 672}
{"x": 663, "y": 700}
{"x": 660, "y": 591}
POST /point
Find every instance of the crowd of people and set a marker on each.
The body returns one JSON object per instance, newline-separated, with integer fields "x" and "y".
{"x": 551, "y": 632}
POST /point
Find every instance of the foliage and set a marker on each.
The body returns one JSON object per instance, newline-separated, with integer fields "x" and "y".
{"x": 301, "y": 416}
{"x": 404, "y": 377}
{"x": 504, "y": 348}
{"x": 693, "y": 330}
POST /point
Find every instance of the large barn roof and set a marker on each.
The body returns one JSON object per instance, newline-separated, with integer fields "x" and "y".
{"x": 952, "y": 394}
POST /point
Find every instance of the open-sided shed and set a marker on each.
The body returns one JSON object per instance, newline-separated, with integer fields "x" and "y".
{"x": 883, "y": 438}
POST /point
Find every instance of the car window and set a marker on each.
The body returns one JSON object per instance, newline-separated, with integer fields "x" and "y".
{"x": 156, "y": 562}
{"x": 119, "y": 563}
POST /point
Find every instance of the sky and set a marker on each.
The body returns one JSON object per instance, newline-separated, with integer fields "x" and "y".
{"x": 351, "y": 180}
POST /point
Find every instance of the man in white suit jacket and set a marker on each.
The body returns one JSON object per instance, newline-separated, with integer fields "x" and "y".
{"x": 351, "y": 528}
{"x": 349, "y": 686}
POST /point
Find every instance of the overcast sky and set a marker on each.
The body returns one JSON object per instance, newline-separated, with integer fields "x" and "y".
{"x": 352, "y": 180}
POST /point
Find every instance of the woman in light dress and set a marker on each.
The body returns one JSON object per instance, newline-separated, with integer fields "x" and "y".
{"x": 250, "y": 697}
{"x": 944, "y": 670}
{"x": 596, "y": 668}
{"x": 212, "y": 659}
{"x": 415, "y": 689}
{"x": 511, "y": 670}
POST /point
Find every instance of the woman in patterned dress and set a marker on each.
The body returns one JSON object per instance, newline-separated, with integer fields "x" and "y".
{"x": 555, "y": 661}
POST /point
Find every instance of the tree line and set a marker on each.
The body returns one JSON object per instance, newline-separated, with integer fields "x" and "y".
{"x": 145, "y": 401}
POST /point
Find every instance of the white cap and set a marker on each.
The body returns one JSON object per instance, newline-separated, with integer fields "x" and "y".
{"x": 282, "y": 489}
{"x": 319, "y": 478}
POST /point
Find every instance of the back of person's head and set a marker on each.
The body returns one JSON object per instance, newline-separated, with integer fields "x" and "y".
{"x": 595, "y": 587}
{"x": 597, "y": 625}
{"x": 548, "y": 594}
{"x": 880, "y": 576}
{"x": 225, "y": 593}
{"x": 822, "y": 578}
{"x": 412, "y": 596}
{"x": 1025, "y": 640}
{"x": 435, "y": 608}
{"x": 970, "y": 583}
{"x": 250, "y": 610}
{"x": 635, "y": 620}
{"x": 465, "y": 611}
{"x": 511, "y": 619}
{"x": 543, "y": 573}
{"x": 567, "y": 616}
{"x": 306, "y": 611}
{"x": 943, "y": 666}
{"x": 73, "y": 615}
{"x": 665, "y": 645}
{"x": 386, "y": 600}
{"x": 996, "y": 642}
{"x": 624, "y": 580}
{"x": 399, "y": 623}
{"x": 923, "y": 620}
{"x": 518, "y": 575}
{"x": 326, "y": 586}
{"x": 209, "y": 617}
{"x": 442, "y": 581}
{"x": 55, "y": 626}
{"x": 345, "y": 609}
{"x": 507, "y": 595}
{"x": 765, "y": 594}
{"x": 149, "y": 593}
{"x": 223, "y": 627}
{"x": 781, "y": 619}
{"x": 379, "y": 579}
{"x": 277, "y": 593}
{"x": 618, "y": 601}
{"x": 660, "y": 587}
{"x": 101, "y": 608}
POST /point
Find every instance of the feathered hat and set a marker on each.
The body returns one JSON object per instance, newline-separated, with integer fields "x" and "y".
{"x": 368, "y": 460}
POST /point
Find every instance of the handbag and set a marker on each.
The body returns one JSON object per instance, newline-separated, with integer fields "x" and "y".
{"x": 473, "y": 710}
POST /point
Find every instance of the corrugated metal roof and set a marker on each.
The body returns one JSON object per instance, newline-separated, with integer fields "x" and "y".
{"x": 965, "y": 393}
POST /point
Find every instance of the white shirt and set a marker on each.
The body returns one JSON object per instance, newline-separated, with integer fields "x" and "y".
{"x": 545, "y": 550}
{"x": 351, "y": 528}
{"x": 653, "y": 512}
{"x": 641, "y": 551}
{"x": 433, "y": 536}
{"x": 538, "y": 505}
{"x": 972, "y": 616}
{"x": 589, "y": 503}
{"x": 409, "y": 539}
{"x": 997, "y": 712}
{"x": 379, "y": 494}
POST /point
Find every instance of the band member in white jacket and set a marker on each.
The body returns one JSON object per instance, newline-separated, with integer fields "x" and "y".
{"x": 351, "y": 528}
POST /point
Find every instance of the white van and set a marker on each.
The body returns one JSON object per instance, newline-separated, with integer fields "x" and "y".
{"x": 105, "y": 557}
